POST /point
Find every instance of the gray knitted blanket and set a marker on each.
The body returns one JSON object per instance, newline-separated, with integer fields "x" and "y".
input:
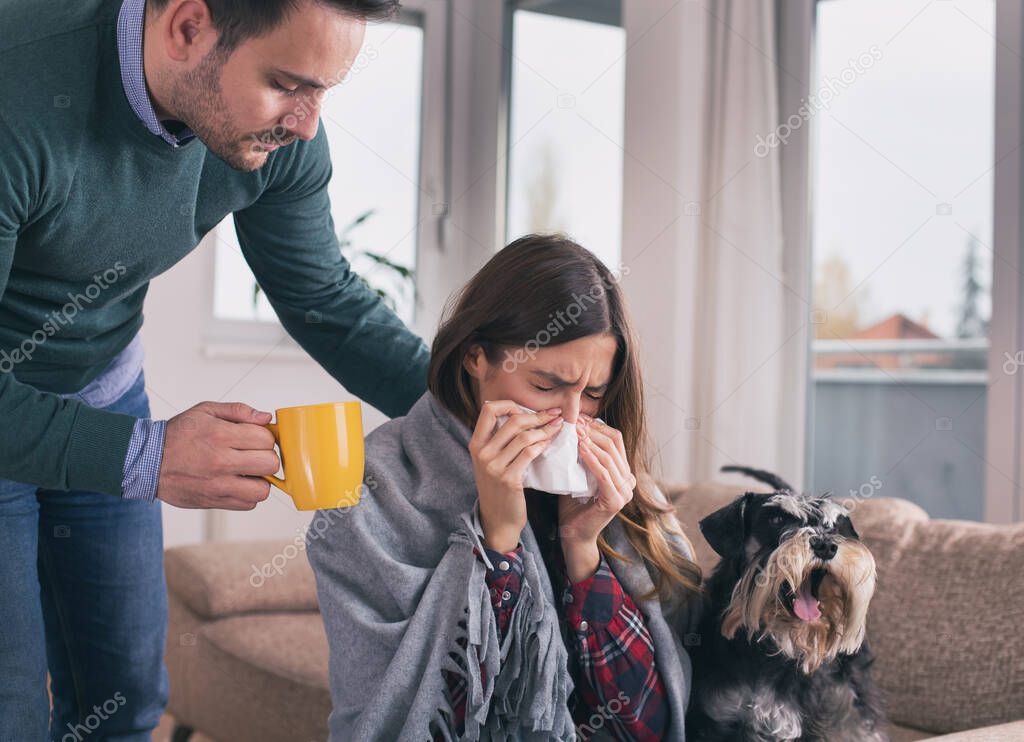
{"x": 396, "y": 576}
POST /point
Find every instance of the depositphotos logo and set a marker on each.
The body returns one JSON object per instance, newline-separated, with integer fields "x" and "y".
{"x": 59, "y": 319}
{"x": 91, "y": 723}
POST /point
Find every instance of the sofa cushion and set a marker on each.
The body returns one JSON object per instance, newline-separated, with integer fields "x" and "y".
{"x": 1012, "y": 732}
{"x": 945, "y": 621}
{"x": 906, "y": 734}
{"x": 288, "y": 645}
{"x": 255, "y": 677}
{"x": 222, "y": 579}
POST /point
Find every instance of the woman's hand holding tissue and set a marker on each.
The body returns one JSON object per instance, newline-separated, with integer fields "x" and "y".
{"x": 500, "y": 458}
{"x": 580, "y": 523}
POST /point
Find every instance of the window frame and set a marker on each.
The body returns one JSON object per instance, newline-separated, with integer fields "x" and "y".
{"x": 480, "y": 48}
{"x": 600, "y": 13}
{"x": 1004, "y": 439}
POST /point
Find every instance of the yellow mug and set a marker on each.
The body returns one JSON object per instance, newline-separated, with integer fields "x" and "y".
{"x": 321, "y": 454}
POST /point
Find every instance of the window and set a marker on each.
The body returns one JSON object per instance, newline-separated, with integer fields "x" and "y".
{"x": 375, "y": 152}
{"x": 566, "y": 119}
{"x": 902, "y": 199}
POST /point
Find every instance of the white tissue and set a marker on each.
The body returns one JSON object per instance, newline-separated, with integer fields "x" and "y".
{"x": 558, "y": 469}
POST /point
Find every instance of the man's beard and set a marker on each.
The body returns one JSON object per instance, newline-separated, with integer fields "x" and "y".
{"x": 196, "y": 98}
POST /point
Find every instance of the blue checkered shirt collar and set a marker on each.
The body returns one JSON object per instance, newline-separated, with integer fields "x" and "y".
{"x": 130, "y": 25}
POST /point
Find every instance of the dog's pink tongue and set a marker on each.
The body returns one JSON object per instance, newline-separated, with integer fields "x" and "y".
{"x": 804, "y": 604}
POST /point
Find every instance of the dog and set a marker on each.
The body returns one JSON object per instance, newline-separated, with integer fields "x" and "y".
{"x": 782, "y": 653}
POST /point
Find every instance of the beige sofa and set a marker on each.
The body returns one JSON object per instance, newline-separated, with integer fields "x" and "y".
{"x": 247, "y": 654}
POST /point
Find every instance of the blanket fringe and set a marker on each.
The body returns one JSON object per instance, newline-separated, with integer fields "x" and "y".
{"x": 523, "y": 685}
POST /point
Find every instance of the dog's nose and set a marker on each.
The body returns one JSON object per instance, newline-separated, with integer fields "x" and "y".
{"x": 823, "y": 548}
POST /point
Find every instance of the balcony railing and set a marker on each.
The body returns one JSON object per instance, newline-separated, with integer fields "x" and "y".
{"x": 910, "y": 413}
{"x": 926, "y": 361}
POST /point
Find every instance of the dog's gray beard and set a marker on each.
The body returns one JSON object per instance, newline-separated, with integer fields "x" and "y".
{"x": 843, "y": 596}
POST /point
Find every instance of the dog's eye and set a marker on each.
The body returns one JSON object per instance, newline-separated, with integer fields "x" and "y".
{"x": 775, "y": 519}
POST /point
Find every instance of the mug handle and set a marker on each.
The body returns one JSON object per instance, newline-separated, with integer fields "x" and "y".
{"x": 281, "y": 484}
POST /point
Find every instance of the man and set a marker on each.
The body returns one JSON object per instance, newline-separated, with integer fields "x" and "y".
{"x": 130, "y": 128}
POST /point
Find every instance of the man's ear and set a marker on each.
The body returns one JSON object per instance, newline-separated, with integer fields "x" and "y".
{"x": 725, "y": 529}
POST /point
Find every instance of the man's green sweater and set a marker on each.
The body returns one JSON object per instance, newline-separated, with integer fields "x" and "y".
{"x": 92, "y": 206}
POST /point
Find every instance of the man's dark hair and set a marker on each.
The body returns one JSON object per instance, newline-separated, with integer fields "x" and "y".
{"x": 239, "y": 20}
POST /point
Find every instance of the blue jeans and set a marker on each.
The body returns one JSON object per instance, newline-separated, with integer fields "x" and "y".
{"x": 82, "y": 593}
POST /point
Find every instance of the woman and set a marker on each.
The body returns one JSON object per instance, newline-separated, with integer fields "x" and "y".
{"x": 459, "y": 605}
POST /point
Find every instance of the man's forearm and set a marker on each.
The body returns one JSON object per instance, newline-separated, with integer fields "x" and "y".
{"x": 288, "y": 239}
{"x": 60, "y": 443}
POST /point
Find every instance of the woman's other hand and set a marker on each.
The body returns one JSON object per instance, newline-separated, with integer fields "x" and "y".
{"x": 580, "y": 523}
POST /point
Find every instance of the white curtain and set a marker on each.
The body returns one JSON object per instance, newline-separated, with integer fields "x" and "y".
{"x": 723, "y": 326}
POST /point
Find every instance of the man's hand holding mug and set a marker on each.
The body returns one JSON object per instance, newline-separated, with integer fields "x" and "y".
{"x": 215, "y": 455}
{"x": 221, "y": 455}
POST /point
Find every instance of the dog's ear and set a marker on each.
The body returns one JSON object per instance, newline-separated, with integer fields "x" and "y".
{"x": 725, "y": 529}
{"x": 844, "y": 526}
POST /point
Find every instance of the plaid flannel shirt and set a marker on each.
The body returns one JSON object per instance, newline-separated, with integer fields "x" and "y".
{"x": 612, "y": 648}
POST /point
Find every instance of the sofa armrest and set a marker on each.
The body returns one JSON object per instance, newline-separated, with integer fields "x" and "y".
{"x": 224, "y": 579}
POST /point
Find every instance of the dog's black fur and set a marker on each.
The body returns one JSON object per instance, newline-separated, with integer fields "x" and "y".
{"x": 746, "y": 688}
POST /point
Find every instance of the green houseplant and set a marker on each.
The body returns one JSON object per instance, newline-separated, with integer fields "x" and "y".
{"x": 405, "y": 277}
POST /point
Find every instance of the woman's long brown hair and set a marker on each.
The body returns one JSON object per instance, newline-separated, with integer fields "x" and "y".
{"x": 521, "y": 299}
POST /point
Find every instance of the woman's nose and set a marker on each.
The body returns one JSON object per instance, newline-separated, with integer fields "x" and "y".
{"x": 571, "y": 408}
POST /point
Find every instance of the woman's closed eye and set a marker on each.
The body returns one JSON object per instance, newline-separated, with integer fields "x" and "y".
{"x": 551, "y": 389}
